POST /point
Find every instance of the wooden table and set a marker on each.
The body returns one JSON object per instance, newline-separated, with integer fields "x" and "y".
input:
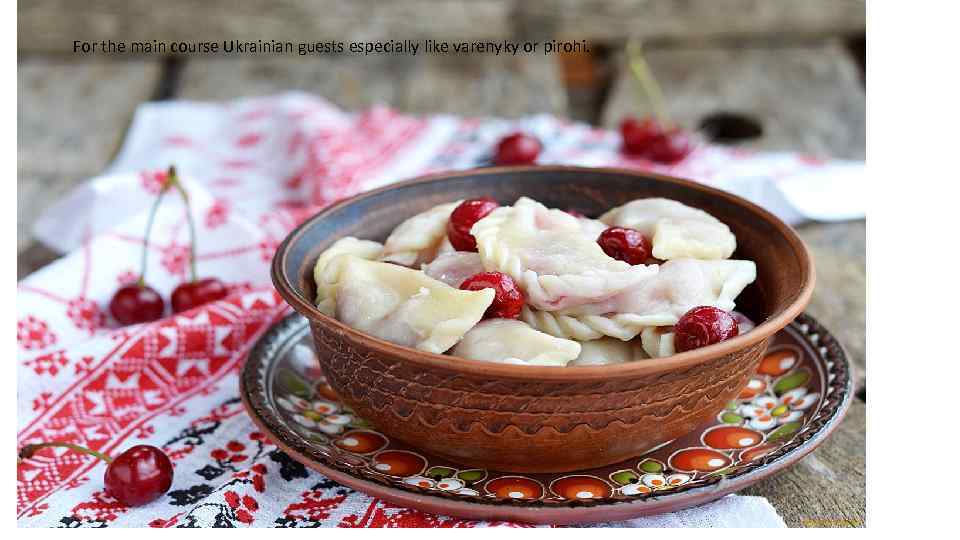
{"x": 806, "y": 90}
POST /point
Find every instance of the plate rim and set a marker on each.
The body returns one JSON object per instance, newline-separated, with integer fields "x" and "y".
{"x": 573, "y": 513}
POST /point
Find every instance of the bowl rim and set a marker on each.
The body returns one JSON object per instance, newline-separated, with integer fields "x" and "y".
{"x": 291, "y": 294}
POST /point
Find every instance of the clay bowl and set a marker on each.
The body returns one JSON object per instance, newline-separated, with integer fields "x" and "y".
{"x": 542, "y": 419}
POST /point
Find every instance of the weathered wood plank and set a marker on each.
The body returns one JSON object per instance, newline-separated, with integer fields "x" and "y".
{"x": 52, "y": 25}
{"x": 71, "y": 118}
{"x": 839, "y": 301}
{"x": 685, "y": 20}
{"x": 474, "y": 85}
{"x": 350, "y": 82}
{"x": 72, "y": 113}
{"x": 33, "y": 257}
{"x": 828, "y": 487}
{"x": 34, "y": 193}
{"x": 807, "y": 98}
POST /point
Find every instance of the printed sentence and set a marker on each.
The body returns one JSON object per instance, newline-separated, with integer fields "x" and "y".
{"x": 405, "y": 46}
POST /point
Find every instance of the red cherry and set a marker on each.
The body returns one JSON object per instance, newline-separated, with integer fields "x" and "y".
{"x": 462, "y": 219}
{"x": 197, "y": 293}
{"x": 133, "y": 304}
{"x": 626, "y": 245}
{"x": 648, "y": 139}
{"x": 669, "y": 147}
{"x": 507, "y": 300}
{"x": 702, "y": 326}
{"x": 638, "y": 134}
{"x": 517, "y": 149}
{"x": 139, "y": 475}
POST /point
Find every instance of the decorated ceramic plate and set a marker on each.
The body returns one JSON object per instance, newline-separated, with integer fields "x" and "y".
{"x": 797, "y": 397}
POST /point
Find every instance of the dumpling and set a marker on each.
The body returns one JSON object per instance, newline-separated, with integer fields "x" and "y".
{"x": 658, "y": 342}
{"x": 606, "y": 351}
{"x": 418, "y": 239}
{"x": 445, "y": 246}
{"x": 623, "y": 326}
{"x": 406, "y": 306}
{"x": 553, "y": 261}
{"x": 676, "y": 230}
{"x": 509, "y": 341}
{"x": 326, "y": 271}
{"x": 454, "y": 267}
{"x": 681, "y": 284}
{"x": 658, "y": 301}
{"x": 592, "y": 227}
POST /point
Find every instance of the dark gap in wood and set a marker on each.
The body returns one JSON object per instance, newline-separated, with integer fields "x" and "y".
{"x": 862, "y": 394}
{"x": 742, "y": 41}
{"x": 857, "y": 45}
{"x": 727, "y": 127}
{"x": 169, "y": 83}
{"x": 587, "y": 79}
{"x": 606, "y": 56}
{"x": 34, "y": 257}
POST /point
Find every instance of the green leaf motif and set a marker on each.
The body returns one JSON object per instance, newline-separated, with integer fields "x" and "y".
{"x": 651, "y": 466}
{"x": 294, "y": 383}
{"x": 624, "y": 477}
{"x": 731, "y": 418}
{"x": 472, "y": 476}
{"x": 791, "y": 381}
{"x": 783, "y": 432}
{"x": 439, "y": 472}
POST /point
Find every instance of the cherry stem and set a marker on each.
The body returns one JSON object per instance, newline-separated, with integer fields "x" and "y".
{"x": 174, "y": 180}
{"x": 146, "y": 235}
{"x": 29, "y": 450}
{"x": 651, "y": 90}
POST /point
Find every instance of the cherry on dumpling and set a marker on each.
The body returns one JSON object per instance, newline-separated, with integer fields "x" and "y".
{"x": 462, "y": 219}
{"x": 702, "y": 326}
{"x": 626, "y": 245}
{"x": 508, "y": 298}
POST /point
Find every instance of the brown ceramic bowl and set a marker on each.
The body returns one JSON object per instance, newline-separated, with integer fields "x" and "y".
{"x": 542, "y": 419}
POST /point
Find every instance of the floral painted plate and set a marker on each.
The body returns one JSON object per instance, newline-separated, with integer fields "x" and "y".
{"x": 798, "y": 396}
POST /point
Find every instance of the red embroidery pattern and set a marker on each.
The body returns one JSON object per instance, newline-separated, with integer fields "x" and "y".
{"x": 33, "y": 334}
{"x": 151, "y": 371}
{"x": 85, "y": 314}
{"x": 153, "y": 181}
{"x": 48, "y": 363}
{"x": 217, "y": 214}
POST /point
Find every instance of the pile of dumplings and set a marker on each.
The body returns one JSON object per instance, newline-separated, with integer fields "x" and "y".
{"x": 582, "y": 307}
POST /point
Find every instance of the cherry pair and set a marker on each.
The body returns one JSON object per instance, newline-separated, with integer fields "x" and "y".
{"x": 650, "y": 139}
{"x": 658, "y": 140}
{"x": 138, "y": 302}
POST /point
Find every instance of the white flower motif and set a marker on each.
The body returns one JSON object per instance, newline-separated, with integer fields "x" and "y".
{"x": 765, "y": 412}
{"x": 420, "y": 481}
{"x": 451, "y": 485}
{"x": 650, "y": 482}
{"x": 316, "y": 414}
